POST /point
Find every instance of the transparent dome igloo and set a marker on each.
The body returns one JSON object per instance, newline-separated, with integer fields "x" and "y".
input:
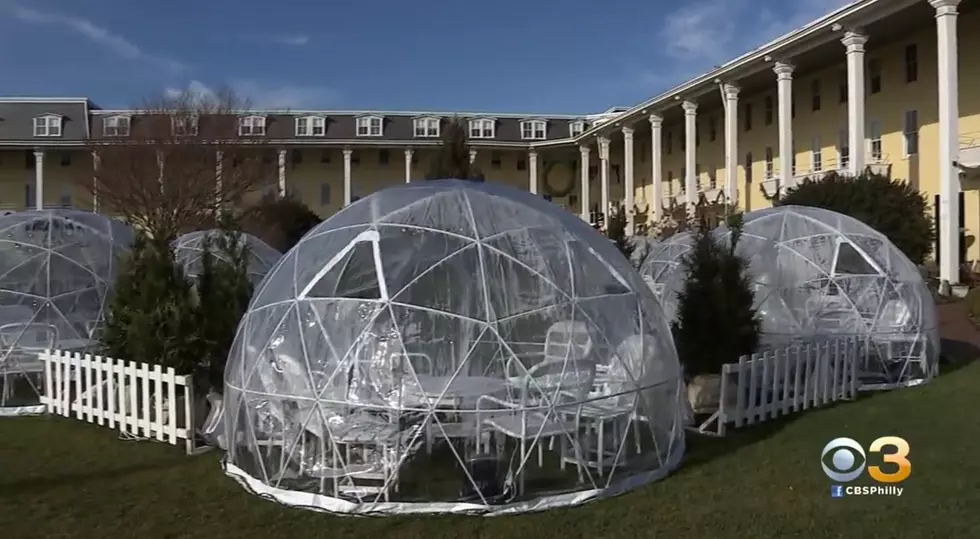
{"x": 189, "y": 249}
{"x": 663, "y": 271}
{"x": 451, "y": 346}
{"x": 56, "y": 267}
{"x": 818, "y": 273}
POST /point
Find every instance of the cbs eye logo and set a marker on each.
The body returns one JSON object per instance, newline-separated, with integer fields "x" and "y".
{"x": 847, "y": 459}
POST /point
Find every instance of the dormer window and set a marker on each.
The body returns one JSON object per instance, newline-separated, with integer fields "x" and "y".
{"x": 311, "y": 126}
{"x": 482, "y": 128}
{"x": 576, "y": 128}
{"x": 251, "y": 126}
{"x": 184, "y": 126}
{"x": 427, "y": 127}
{"x": 115, "y": 126}
{"x": 48, "y": 125}
{"x": 370, "y": 126}
{"x": 533, "y": 129}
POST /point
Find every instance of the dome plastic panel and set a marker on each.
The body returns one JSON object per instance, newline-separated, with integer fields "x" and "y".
{"x": 497, "y": 328}
{"x": 189, "y": 251}
{"x": 56, "y": 269}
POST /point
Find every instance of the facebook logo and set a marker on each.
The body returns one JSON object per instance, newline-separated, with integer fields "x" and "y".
{"x": 836, "y": 491}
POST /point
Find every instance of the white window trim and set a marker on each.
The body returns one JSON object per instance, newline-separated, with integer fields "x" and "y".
{"x": 770, "y": 165}
{"x": 311, "y": 124}
{"x": 425, "y": 125}
{"x": 538, "y": 129}
{"x": 874, "y": 139}
{"x": 53, "y": 125}
{"x": 576, "y": 128}
{"x": 484, "y": 128}
{"x": 113, "y": 123}
{"x": 179, "y": 125}
{"x": 365, "y": 121}
{"x": 908, "y": 132}
{"x": 816, "y": 154}
{"x": 254, "y": 122}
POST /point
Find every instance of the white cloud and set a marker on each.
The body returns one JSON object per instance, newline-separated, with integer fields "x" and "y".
{"x": 265, "y": 96}
{"x": 296, "y": 40}
{"x": 100, "y": 35}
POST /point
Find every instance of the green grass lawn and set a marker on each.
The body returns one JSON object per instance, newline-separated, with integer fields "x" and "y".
{"x": 63, "y": 478}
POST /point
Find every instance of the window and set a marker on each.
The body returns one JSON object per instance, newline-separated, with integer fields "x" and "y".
{"x": 251, "y": 126}
{"x": 65, "y": 159}
{"x": 748, "y": 167}
{"x": 697, "y": 133}
{"x": 670, "y": 142}
{"x": 792, "y": 105}
{"x": 482, "y": 128}
{"x": 842, "y": 87}
{"x": 768, "y": 110}
{"x": 296, "y": 156}
{"x": 521, "y": 164}
{"x": 311, "y": 126}
{"x": 115, "y": 126}
{"x": 576, "y": 128}
{"x": 427, "y": 127}
{"x": 792, "y": 169}
{"x": 815, "y": 95}
{"x": 64, "y": 200}
{"x": 911, "y": 63}
{"x": 495, "y": 160}
{"x": 533, "y": 129}
{"x": 911, "y": 132}
{"x": 370, "y": 126}
{"x": 843, "y": 148}
{"x": 324, "y": 194}
{"x": 747, "y": 120}
{"x": 670, "y": 183}
{"x": 874, "y": 76}
{"x": 47, "y": 126}
{"x": 29, "y": 195}
{"x": 184, "y": 126}
{"x": 683, "y": 180}
{"x": 712, "y": 129}
{"x": 769, "y": 164}
{"x": 817, "y": 153}
{"x": 874, "y": 135}
{"x": 325, "y": 156}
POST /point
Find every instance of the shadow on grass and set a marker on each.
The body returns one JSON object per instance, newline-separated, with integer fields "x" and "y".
{"x": 41, "y": 484}
{"x": 956, "y": 354}
{"x": 703, "y": 448}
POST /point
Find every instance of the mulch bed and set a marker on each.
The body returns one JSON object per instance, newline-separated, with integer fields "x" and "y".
{"x": 955, "y": 324}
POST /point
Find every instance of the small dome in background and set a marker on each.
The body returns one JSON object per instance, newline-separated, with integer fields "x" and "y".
{"x": 189, "y": 248}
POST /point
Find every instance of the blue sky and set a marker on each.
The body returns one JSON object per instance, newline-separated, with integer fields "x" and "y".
{"x": 544, "y": 56}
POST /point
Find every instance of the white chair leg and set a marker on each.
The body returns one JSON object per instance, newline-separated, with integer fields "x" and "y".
{"x": 540, "y": 454}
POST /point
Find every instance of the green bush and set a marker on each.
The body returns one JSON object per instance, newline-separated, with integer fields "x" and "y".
{"x": 223, "y": 290}
{"x": 453, "y": 159}
{"x": 616, "y": 231}
{"x": 892, "y": 207}
{"x": 151, "y": 314}
{"x": 972, "y": 301}
{"x": 280, "y": 222}
{"x": 716, "y": 321}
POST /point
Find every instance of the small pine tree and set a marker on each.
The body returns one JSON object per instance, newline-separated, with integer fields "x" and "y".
{"x": 453, "y": 159}
{"x": 716, "y": 320}
{"x": 224, "y": 290}
{"x": 892, "y": 207}
{"x": 151, "y": 311}
{"x": 616, "y": 231}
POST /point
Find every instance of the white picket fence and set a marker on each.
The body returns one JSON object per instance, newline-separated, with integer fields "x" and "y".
{"x": 785, "y": 381}
{"x": 135, "y": 398}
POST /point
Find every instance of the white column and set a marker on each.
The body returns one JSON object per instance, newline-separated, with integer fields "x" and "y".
{"x": 604, "y": 179}
{"x": 347, "y": 156}
{"x": 854, "y": 41}
{"x": 656, "y": 139}
{"x": 532, "y": 171}
{"x": 472, "y": 156}
{"x": 731, "y": 143}
{"x": 690, "y": 154}
{"x": 784, "y": 89}
{"x": 39, "y": 179}
{"x": 282, "y": 173}
{"x": 584, "y": 176}
{"x": 96, "y": 163}
{"x": 949, "y": 127}
{"x": 408, "y": 165}
{"x": 629, "y": 180}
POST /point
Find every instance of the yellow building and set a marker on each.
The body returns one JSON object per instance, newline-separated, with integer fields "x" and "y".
{"x": 878, "y": 83}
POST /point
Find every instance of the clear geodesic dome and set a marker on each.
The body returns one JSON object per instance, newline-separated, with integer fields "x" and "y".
{"x": 56, "y": 267}
{"x": 818, "y": 273}
{"x": 451, "y": 346}
{"x": 189, "y": 250}
{"x": 663, "y": 272}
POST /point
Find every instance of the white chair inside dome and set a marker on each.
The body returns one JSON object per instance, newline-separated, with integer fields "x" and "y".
{"x": 431, "y": 348}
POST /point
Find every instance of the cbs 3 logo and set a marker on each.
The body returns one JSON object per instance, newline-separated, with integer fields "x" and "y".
{"x": 844, "y": 453}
